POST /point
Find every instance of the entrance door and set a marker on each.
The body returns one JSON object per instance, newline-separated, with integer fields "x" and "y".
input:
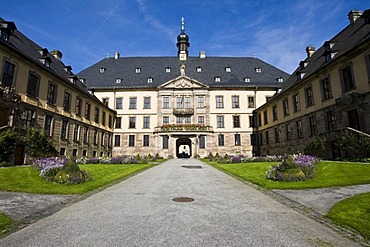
{"x": 19, "y": 155}
{"x": 183, "y": 148}
{"x": 353, "y": 120}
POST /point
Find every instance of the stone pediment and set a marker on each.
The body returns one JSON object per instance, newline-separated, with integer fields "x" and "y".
{"x": 183, "y": 82}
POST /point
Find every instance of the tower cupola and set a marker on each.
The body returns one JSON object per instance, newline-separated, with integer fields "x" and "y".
{"x": 182, "y": 42}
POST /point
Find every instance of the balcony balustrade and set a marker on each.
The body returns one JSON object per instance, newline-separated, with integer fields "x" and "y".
{"x": 183, "y": 128}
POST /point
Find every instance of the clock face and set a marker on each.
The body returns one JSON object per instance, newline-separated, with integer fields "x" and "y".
{"x": 182, "y": 56}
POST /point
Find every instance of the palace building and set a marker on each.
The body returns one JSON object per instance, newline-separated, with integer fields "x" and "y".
{"x": 328, "y": 94}
{"x": 183, "y": 106}
{"x": 38, "y": 90}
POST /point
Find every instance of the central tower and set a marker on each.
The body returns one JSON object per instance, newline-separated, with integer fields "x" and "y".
{"x": 182, "y": 42}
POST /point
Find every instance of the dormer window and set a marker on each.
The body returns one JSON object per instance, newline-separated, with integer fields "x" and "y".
{"x": 45, "y": 61}
{"x": 300, "y": 75}
{"x": 258, "y": 70}
{"x": 247, "y": 79}
{"x": 138, "y": 70}
{"x": 280, "y": 79}
{"x": 6, "y": 29}
{"x": 199, "y": 69}
{"x": 150, "y": 79}
{"x": 68, "y": 69}
{"x": 82, "y": 80}
{"x": 43, "y": 52}
{"x": 168, "y": 70}
{"x": 328, "y": 45}
{"x": 118, "y": 80}
{"x": 217, "y": 79}
{"x": 303, "y": 64}
{"x": 102, "y": 70}
{"x": 228, "y": 69}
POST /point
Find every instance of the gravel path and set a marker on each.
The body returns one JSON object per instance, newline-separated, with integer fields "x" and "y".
{"x": 140, "y": 211}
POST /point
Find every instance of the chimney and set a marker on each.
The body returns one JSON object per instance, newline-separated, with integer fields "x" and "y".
{"x": 116, "y": 55}
{"x": 310, "y": 50}
{"x": 202, "y": 54}
{"x": 353, "y": 15}
{"x": 57, "y": 54}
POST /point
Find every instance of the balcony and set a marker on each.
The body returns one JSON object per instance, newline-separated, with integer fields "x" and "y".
{"x": 183, "y": 128}
{"x": 183, "y": 111}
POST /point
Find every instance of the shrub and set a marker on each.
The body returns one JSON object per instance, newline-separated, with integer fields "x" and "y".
{"x": 92, "y": 161}
{"x": 105, "y": 160}
{"x": 39, "y": 145}
{"x": 158, "y": 157}
{"x": 8, "y": 140}
{"x": 210, "y": 157}
{"x": 49, "y": 167}
{"x": 82, "y": 160}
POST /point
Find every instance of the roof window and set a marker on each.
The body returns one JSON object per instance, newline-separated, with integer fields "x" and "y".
{"x": 228, "y": 69}
{"x": 102, "y": 70}
{"x": 45, "y": 61}
{"x": 258, "y": 70}
{"x": 168, "y": 70}
{"x": 247, "y": 79}
{"x": 138, "y": 70}
{"x": 199, "y": 69}
{"x": 150, "y": 79}
{"x": 280, "y": 79}
{"x": 118, "y": 80}
{"x": 217, "y": 79}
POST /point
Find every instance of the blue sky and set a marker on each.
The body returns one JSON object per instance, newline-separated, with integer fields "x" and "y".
{"x": 275, "y": 31}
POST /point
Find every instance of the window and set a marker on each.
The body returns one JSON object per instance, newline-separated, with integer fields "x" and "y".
{"x": 150, "y": 79}
{"x": 118, "y": 122}
{"x": 330, "y": 121}
{"x": 265, "y": 119}
{"x": 132, "y": 103}
{"x": 76, "y": 133}
{"x": 179, "y": 102}
{"x": 326, "y": 89}
{"x": 219, "y": 101}
{"x": 236, "y": 121}
{"x": 202, "y": 142}
{"x": 8, "y": 74}
{"x": 48, "y": 125}
{"x": 67, "y": 101}
{"x": 62, "y": 151}
{"x": 179, "y": 120}
{"x": 288, "y": 132}
{"x": 235, "y": 101}
{"x": 166, "y": 120}
{"x": 187, "y": 120}
{"x": 94, "y": 154}
{"x": 217, "y": 79}
{"x": 166, "y": 102}
{"x": 165, "y": 142}
{"x": 247, "y": 79}
{"x": 348, "y": 82}
{"x": 267, "y": 137}
{"x": 86, "y": 134}
{"x": 312, "y": 126}
{"x": 102, "y": 70}
{"x": 168, "y": 70}
{"x": 117, "y": 140}
{"x": 221, "y": 140}
{"x": 228, "y": 69}
{"x": 259, "y": 120}
{"x": 64, "y": 130}
{"x": 299, "y": 129}
{"x": 132, "y": 123}
{"x": 237, "y": 140}
{"x": 103, "y": 117}
{"x": 118, "y": 80}
{"x": 87, "y": 110}
{"x": 258, "y": 70}
{"x": 95, "y": 137}
{"x": 52, "y": 93}
{"x": 137, "y": 70}
{"x": 296, "y": 103}
{"x": 220, "y": 122}
{"x": 33, "y": 85}
{"x": 105, "y": 101}
{"x": 268, "y": 98}
{"x": 280, "y": 79}
{"x": 251, "y": 101}
{"x": 78, "y": 107}
{"x": 84, "y": 153}
{"x": 119, "y": 103}
{"x": 200, "y": 101}
{"x": 309, "y": 96}
{"x": 146, "y": 122}
{"x": 251, "y": 121}
{"x": 274, "y": 113}
{"x": 131, "y": 141}
{"x": 260, "y": 138}
{"x": 199, "y": 69}
{"x": 187, "y": 102}
{"x": 97, "y": 113}
{"x": 285, "y": 107}
{"x": 146, "y": 140}
{"x": 277, "y": 137}
{"x": 201, "y": 120}
{"x": 28, "y": 117}
{"x": 146, "y": 102}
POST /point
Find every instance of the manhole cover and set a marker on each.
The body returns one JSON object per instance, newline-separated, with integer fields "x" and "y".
{"x": 193, "y": 167}
{"x": 183, "y": 199}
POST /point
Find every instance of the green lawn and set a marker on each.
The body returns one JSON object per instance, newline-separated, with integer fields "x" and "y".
{"x": 5, "y": 223}
{"x": 27, "y": 179}
{"x": 354, "y": 213}
{"x": 328, "y": 174}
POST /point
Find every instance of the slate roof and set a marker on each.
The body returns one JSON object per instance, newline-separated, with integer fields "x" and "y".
{"x": 155, "y": 67}
{"x": 351, "y": 37}
{"x": 30, "y": 50}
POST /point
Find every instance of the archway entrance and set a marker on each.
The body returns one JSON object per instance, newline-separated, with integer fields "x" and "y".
{"x": 183, "y": 148}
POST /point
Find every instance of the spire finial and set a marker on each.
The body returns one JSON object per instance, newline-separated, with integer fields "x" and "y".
{"x": 182, "y": 24}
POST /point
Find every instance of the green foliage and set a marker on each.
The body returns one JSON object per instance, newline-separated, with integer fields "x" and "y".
{"x": 39, "y": 145}
{"x": 319, "y": 147}
{"x": 157, "y": 156}
{"x": 210, "y": 157}
{"x": 288, "y": 163}
{"x": 217, "y": 156}
{"x": 5, "y": 223}
{"x": 70, "y": 173}
{"x": 8, "y": 140}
